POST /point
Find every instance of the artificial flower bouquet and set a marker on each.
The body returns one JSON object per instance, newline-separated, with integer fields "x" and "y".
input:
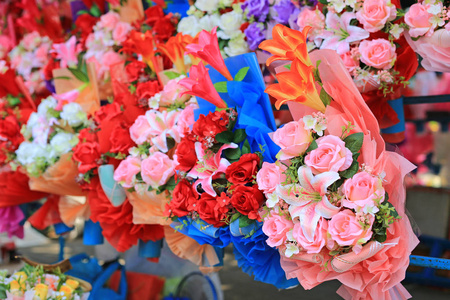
{"x": 228, "y": 16}
{"x": 37, "y": 283}
{"x": 368, "y": 35}
{"x": 50, "y": 135}
{"x": 216, "y": 199}
{"x": 335, "y": 207}
{"x": 428, "y": 33}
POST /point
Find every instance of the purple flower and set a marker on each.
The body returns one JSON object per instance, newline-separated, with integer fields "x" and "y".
{"x": 257, "y": 8}
{"x": 284, "y": 10}
{"x": 255, "y": 34}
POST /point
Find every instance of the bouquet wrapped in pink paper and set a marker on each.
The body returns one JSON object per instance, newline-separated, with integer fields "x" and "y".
{"x": 428, "y": 34}
{"x": 335, "y": 207}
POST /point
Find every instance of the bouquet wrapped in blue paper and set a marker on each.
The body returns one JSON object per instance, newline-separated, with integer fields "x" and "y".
{"x": 216, "y": 199}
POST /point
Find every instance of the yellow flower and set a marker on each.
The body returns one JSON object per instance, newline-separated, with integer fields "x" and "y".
{"x": 72, "y": 283}
{"x": 66, "y": 291}
{"x": 17, "y": 286}
{"x": 41, "y": 291}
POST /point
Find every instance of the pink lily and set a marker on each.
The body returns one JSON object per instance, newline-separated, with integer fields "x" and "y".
{"x": 208, "y": 165}
{"x": 207, "y": 49}
{"x": 162, "y": 125}
{"x": 67, "y": 52}
{"x": 65, "y": 98}
{"x": 308, "y": 199}
{"x": 199, "y": 84}
{"x": 339, "y": 33}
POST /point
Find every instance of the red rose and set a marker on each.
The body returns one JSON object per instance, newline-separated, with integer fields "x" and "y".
{"x": 87, "y": 154}
{"x": 134, "y": 70}
{"x": 184, "y": 199}
{"x": 108, "y": 111}
{"x": 10, "y": 132}
{"x": 153, "y": 14}
{"x": 84, "y": 24}
{"x": 163, "y": 29}
{"x": 247, "y": 200}
{"x": 208, "y": 126}
{"x": 147, "y": 89}
{"x": 206, "y": 208}
{"x": 186, "y": 156}
{"x": 86, "y": 135}
{"x": 120, "y": 140}
{"x": 244, "y": 170}
{"x": 49, "y": 67}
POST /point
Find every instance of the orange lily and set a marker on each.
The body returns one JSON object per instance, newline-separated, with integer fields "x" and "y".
{"x": 174, "y": 49}
{"x": 143, "y": 44}
{"x": 296, "y": 85}
{"x": 287, "y": 44}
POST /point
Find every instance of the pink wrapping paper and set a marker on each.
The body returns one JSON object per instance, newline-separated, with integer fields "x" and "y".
{"x": 379, "y": 276}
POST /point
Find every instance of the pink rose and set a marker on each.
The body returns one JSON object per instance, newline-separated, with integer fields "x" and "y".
{"x": 320, "y": 237}
{"x": 185, "y": 120}
{"x": 347, "y": 230}
{"x": 313, "y": 18}
{"x": 42, "y": 53}
{"x": 293, "y": 139}
{"x": 375, "y": 13}
{"x": 140, "y": 130}
{"x": 31, "y": 40}
{"x": 362, "y": 190}
{"x": 349, "y": 62}
{"x": 127, "y": 170}
{"x": 120, "y": 32}
{"x": 330, "y": 156}
{"x": 108, "y": 59}
{"x": 418, "y": 19}
{"x": 109, "y": 20}
{"x": 171, "y": 93}
{"x": 157, "y": 169}
{"x": 270, "y": 176}
{"x": 379, "y": 53}
{"x": 276, "y": 227}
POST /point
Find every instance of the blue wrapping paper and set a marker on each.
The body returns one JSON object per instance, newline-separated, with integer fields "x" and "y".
{"x": 177, "y": 6}
{"x": 203, "y": 234}
{"x": 150, "y": 249}
{"x": 235, "y": 230}
{"x": 255, "y": 113}
{"x": 257, "y": 258}
{"x": 397, "y": 105}
{"x": 61, "y": 228}
{"x": 92, "y": 234}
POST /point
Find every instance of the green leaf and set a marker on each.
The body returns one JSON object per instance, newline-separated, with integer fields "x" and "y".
{"x": 62, "y": 77}
{"x": 244, "y": 221}
{"x": 323, "y": 1}
{"x": 246, "y": 147}
{"x": 95, "y": 11}
{"x": 241, "y": 74}
{"x": 225, "y": 137}
{"x": 351, "y": 171}
{"x": 233, "y": 154}
{"x": 171, "y": 74}
{"x": 380, "y": 237}
{"x": 235, "y": 217}
{"x": 326, "y": 99}
{"x": 239, "y": 136}
{"x": 82, "y": 12}
{"x": 288, "y": 66}
{"x": 312, "y": 146}
{"x": 221, "y": 87}
{"x": 3, "y": 290}
{"x": 79, "y": 75}
{"x": 354, "y": 142}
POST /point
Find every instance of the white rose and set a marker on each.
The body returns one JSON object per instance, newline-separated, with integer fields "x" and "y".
{"x": 63, "y": 142}
{"x": 28, "y": 152}
{"x": 189, "y": 25}
{"x": 237, "y": 46}
{"x": 207, "y": 5}
{"x": 230, "y": 23}
{"x": 73, "y": 114}
{"x": 46, "y": 104}
{"x": 208, "y": 22}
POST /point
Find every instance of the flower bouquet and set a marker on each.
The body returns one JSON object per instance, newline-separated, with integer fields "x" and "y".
{"x": 335, "y": 207}
{"x": 37, "y": 283}
{"x": 216, "y": 199}
{"x": 368, "y": 35}
{"x": 50, "y": 135}
{"x": 428, "y": 33}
